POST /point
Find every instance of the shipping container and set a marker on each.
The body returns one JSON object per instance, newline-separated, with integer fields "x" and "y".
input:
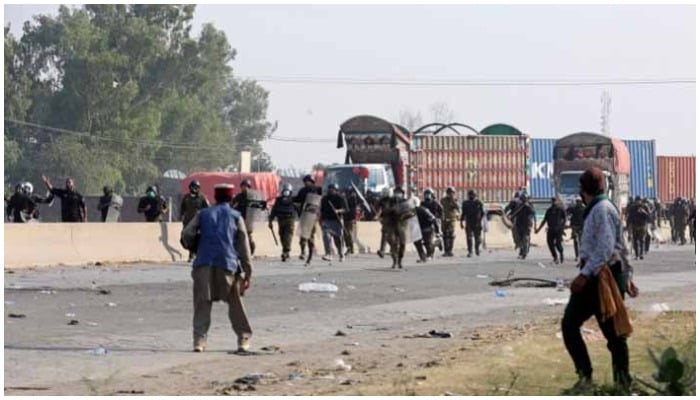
{"x": 676, "y": 177}
{"x": 541, "y": 168}
{"x": 643, "y": 181}
{"x": 266, "y": 182}
{"x": 643, "y": 167}
{"x": 494, "y": 166}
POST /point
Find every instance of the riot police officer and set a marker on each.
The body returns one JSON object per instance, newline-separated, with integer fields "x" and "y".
{"x": 435, "y": 208}
{"x": 555, "y": 217}
{"x": 284, "y": 211}
{"x": 450, "y": 216}
{"x": 384, "y": 215}
{"x": 191, "y": 204}
{"x": 428, "y": 226}
{"x": 575, "y": 215}
{"x": 637, "y": 219}
{"x": 523, "y": 219}
{"x": 398, "y": 212}
{"x": 472, "y": 215}
{"x": 152, "y": 205}
{"x": 299, "y": 200}
{"x": 680, "y": 219}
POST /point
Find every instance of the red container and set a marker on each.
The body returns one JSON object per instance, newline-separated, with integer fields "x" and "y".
{"x": 494, "y": 166}
{"x": 266, "y": 182}
{"x": 676, "y": 177}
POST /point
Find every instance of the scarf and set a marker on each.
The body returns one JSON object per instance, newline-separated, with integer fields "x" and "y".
{"x": 612, "y": 304}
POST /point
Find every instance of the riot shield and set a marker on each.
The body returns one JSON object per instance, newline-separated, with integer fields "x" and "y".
{"x": 254, "y": 212}
{"x": 413, "y": 231}
{"x": 115, "y": 207}
{"x": 309, "y": 215}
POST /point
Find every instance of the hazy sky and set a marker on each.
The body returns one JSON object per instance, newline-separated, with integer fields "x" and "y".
{"x": 468, "y": 42}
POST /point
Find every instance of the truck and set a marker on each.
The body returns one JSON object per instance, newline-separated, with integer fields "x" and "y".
{"x": 574, "y": 153}
{"x": 377, "y": 156}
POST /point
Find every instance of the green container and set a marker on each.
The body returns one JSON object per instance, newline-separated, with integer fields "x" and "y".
{"x": 500, "y": 130}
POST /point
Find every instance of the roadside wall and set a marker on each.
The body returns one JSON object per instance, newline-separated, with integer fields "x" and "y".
{"x": 28, "y": 245}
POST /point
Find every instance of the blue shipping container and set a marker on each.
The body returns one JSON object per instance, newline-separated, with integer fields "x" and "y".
{"x": 643, "y": 168}
{"x": 642, "y": 175}
{"x": 541, "y": 168}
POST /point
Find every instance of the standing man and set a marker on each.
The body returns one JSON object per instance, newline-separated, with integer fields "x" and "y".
{"x": 105, "y": 202}
{"x": 575, "y": 214}
{"x": 435, "y": 208}
{"x": 284, "y": 211}
{"x": 637, "y": 218}
{"x": 350, "y": 220}
{"x": 602, "y": 255}
{"x": 523, "y": 220}
{"x": 384, "y": 215}
{"x": 555, "y": 217}
{"x": 192, "y": 203}
{"x": 241, "y": 203}
{"x": 472, "y": 215}
{"x": 333, "y": 206}
{"x": 508, "y": 213}
{"x": 222, "y": 257}
{"x": 152, "y": 205}
{"x": 399, "y": 210}
{"x": 299, "y": 201}
{"x": 72, "y": 203}
{"x": 691, "y": 220}
{"x": 659, "y": 212}
{"x": 450, "y": 217}
{"x": 680, "y": 220}
{"x": 428, "y": 226}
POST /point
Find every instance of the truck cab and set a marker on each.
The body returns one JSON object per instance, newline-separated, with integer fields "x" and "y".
{"x": 370, "y": 179}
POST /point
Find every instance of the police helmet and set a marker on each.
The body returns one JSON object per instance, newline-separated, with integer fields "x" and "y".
{"x": 638, "y": 198}
{"x": 152, "y": 189}
{"x": 247, "y": 183}
{"x": 471, "y": 193}
{"x": 195, "y": 184}
{"x": 450, "y": 189}
{"x": 333, "y": 186}
{"x": 287, "y": 186}
{"x": 308, "y": 178}
{"x": 28, "y": 188}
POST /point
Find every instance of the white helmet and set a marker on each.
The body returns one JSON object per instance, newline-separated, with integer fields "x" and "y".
{"x": 28, "y": 188}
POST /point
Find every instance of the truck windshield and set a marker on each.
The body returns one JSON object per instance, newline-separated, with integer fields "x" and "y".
{"x": 569, "y": 183}
{"x": 343, "y": 177}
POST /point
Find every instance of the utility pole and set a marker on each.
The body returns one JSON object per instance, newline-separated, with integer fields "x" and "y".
{"x": 605, "y": 101}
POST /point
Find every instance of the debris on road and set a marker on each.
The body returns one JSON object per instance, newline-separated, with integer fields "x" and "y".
{"x": 430, "y": 335}
{"x": 480, "y": 276}
{"x": 340, "y": 333}
{"x": 70, "y": 315}
{"x": 345, "y": 353}
{"x": 12, "y": 315}
{"x": 100, "y": 351}
{"x": 295, "y": 376}
{"x": 308, "y": 287}
{"x": 91, "y": 323}
{"x": 500, "y": 293}
{"x": 528, "y": 282}
{"x": 399, "y": 290}
{"x": 555, "y": 302}
{"x": 132, "y": 391}
{"x": 660, "y": 307}
{"x": 74, "y": 322}
{"x": 105, "y": 291}
{"x": 348, "y": 382}
{"x": 340, "y": 365}
{"x": 272, "y": 348}
{"x": 47, "y": 291}
{"x": 110, "y": 304}
{"x": 429, "y": 364}
{"x": 255, "y": 378}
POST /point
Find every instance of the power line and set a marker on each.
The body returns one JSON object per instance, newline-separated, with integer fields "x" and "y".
{"x": 172, "y": 145}
{"x": 467, "y": 82}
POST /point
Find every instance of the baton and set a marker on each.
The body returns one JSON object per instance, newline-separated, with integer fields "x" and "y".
{"x": 274, "y": 236}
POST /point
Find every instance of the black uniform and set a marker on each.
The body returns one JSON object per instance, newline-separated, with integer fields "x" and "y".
{"x": 331, "y": 222}
{"x": 299, "y": 201}
{"x": 286, "y": 213}
{"x": 523, "y": 218}
{"x": 428, "y": 224}
{"x": 508, "y": 212}
{"x": 680, "y": 220}
{"x": 637, "y": 218}
{"x": 158, "y": 205}
{"x": 350, "y": 220}
{"x": 72, "y": 205}
{"x": 240, "y": 203}
{"x": 555, "y": 217}
{"x": 385, "y": 216}
{"x": 472, "y": 215}
{"x": 17, "y": 207}
{"x": 575, "y": 214}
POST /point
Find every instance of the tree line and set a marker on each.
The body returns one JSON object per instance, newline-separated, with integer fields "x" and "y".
{"x": 118, "y": 94}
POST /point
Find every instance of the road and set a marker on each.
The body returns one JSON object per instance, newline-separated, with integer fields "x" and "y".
{"x": 144, "y": 322}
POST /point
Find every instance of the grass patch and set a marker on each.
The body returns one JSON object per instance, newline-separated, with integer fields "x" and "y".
{"x": 532, "y": 360}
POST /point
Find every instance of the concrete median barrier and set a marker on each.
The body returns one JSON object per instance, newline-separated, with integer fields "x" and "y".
{"x": 30, "y": 245}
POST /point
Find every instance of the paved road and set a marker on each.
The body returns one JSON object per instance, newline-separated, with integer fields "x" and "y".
{"x": 146, "y": 328}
